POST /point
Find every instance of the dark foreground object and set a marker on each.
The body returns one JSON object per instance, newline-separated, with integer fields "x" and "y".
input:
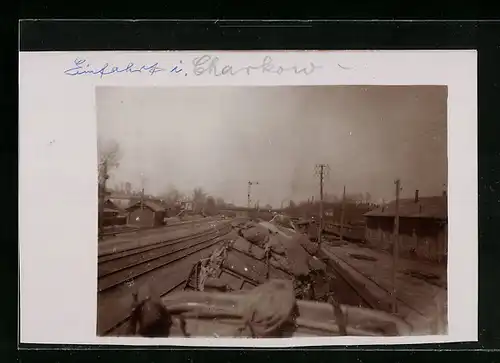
{"x": 270, "y": 310}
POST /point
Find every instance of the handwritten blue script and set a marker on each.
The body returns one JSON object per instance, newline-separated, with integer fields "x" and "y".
{"x": 82, "y": 67}
{"x": 211, "y": 65}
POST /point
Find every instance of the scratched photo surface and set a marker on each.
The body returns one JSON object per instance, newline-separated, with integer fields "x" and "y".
{"x": 279, "y": 211}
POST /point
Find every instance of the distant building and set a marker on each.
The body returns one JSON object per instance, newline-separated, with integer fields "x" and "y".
{"x": 111, "y": 205}
{"x": 423, "y": 227}
{"x": 245, "y": 212}
{"x": 237, "y": 212}
{"x": 147, "y": 214}
{"x": 187, "y": 205}
{"x": 111, "y": 214}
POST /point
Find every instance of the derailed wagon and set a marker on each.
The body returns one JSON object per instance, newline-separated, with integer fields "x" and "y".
{"x": 263, "y": 283}
{"x": 255, "y": 255}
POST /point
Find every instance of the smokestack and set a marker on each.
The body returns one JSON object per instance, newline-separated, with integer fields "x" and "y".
{"x": 416, "y": 196}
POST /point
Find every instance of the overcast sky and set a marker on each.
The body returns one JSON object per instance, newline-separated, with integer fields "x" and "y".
{"x": 219, "y": 138}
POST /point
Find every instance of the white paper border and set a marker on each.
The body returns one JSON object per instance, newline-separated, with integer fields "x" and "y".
{"x": 58, "y": 192}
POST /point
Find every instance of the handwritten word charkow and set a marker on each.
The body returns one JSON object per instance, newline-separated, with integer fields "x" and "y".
{"x": 82, "y": 67}
{"x": 210, "y": 65}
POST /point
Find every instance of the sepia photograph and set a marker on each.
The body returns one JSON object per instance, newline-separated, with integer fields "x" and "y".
{"x": 272, "y": 211}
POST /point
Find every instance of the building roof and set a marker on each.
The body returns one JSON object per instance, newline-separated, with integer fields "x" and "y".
{"x": 110, "y": 204}
{"x": 148, "y": 204}
{"x": 426, "y": 207}
{"x": 109, "y": 210}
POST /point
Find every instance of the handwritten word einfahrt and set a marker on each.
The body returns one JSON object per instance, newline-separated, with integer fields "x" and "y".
{"x": 210, "y": 65}
{"x": 82, "y": 67}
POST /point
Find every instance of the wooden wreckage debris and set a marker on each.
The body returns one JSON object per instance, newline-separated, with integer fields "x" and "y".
{"x": 255, "y": 255}
{"x": 271, "y": 310}
{"x": 261, "y": 283}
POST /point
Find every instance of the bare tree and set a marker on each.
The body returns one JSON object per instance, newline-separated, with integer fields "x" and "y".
{"x": 210, "y": 207}
{"x": 172, "y": 195}
{"x": 199, "y": 198}
{"x": 109, "y": 152}
{"x": 109, "y": 156}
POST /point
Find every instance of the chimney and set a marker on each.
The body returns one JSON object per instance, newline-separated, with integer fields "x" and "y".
{"x": 416, "y": 196}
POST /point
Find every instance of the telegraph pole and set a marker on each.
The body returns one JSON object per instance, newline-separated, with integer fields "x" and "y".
{"x": 321, "y": 170}
{"x": 142, "y": 191}
{"x": 342, "y": 212}
{"x": 103, "y": 176}
{"x": 250, "y": 183}
{"x": 395, "y": 249}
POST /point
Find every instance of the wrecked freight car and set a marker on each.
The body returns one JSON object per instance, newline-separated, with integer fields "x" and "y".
{"x": 265, "y": 282}
{"x": 258, "y": 254}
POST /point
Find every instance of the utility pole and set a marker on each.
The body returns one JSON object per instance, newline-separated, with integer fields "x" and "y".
{"x": 250, "y": 183}
{"x": 395, "y": 249}
{"x": 321, "y": 170}
{"x": 103, "y": 177}
{"x": 342, "y": 213}
{"x": 142, "y": 191}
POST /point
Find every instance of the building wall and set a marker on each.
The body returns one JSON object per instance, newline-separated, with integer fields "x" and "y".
{"x": 114, "y": 221}
{"x": 109, "y": 219}
{"x": 418, "y": 238}
{"x": 159, "y": 218}
{"x": 146, "y": 217}
{"x": 107, "y": 214}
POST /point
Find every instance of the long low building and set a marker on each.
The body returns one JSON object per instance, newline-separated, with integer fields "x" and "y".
{"x": 423, "y": 227}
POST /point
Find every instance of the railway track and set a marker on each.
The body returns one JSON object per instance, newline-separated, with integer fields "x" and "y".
{"x": 155, "y": 230}
{"x": 114, "y": 255}
{"x": 120, "y": 268}
{"x": 119, "y": 328}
